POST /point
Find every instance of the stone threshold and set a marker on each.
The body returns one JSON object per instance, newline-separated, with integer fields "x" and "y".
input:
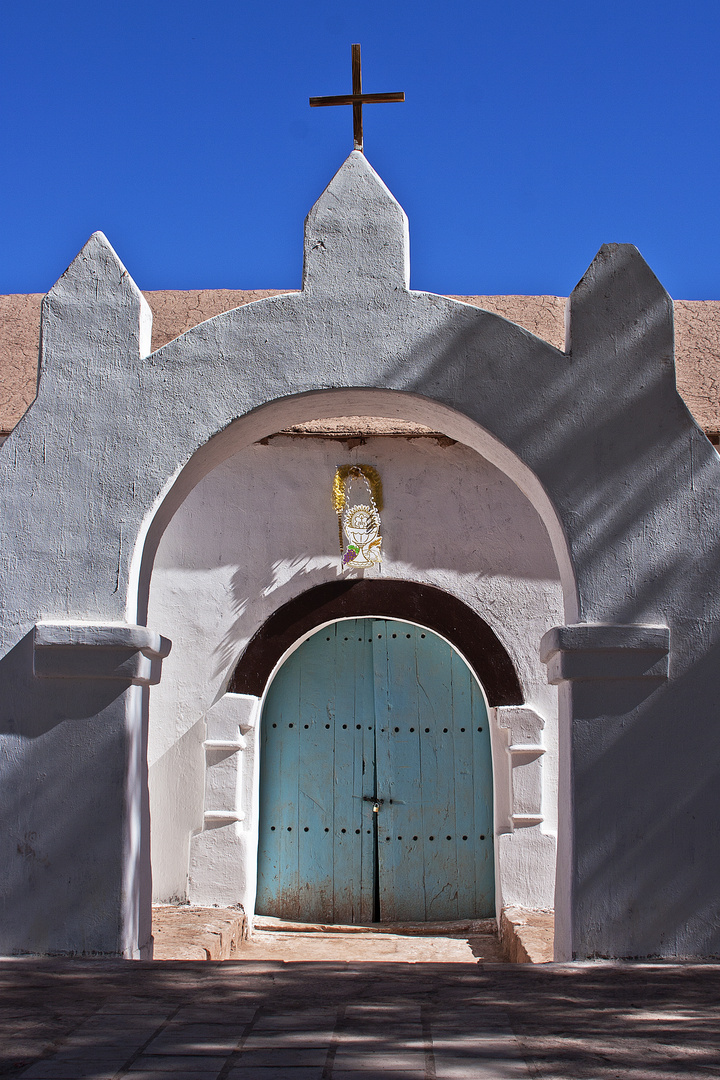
{"x": 449, "y": 928}
{"x": 184, "y": 932}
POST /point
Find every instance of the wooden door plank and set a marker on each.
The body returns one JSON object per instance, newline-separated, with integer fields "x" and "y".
{"x": 365, "y": 768}
{"x": 278, "y": 880}
{"x": 437, "y": 770}
{"x": 434, "y": 663}
{"x": 346, "y": 872}
{"x": 400, "y": 841}
{"x": 464, "y": 751}
{"x": 317, "y": 863}
{"x": 315, "y": 770}
{"x": 484, "y": 813}
{"x": 353, "y": 881}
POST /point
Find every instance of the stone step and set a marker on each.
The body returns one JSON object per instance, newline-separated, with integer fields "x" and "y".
{"x": 527, "y": 936}
{"x": 182, "y": 932}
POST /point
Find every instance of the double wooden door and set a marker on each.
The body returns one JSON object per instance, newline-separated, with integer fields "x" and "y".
{"x": 375, "y": 781}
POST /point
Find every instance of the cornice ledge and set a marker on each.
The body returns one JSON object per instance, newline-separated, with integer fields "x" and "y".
{"x": 606, "y": 651}
{"x": 90, "y": 650}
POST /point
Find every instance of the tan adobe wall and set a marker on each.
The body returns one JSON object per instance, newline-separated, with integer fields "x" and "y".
{"x": 697, "y": 351}
{"x": 19, "y": 345}
{"x": 697, "y": 330}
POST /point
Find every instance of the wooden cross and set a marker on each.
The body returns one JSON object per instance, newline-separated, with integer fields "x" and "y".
{"x": 357, "y": 99}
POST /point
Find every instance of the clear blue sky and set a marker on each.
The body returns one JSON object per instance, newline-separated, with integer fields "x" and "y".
{"x": 531, "y": 134}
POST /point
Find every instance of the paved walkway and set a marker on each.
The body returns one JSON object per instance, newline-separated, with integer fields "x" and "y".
{"x": 244, "y": 1020}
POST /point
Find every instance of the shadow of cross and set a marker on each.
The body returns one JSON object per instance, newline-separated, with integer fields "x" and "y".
{"x": 357, "y": 99}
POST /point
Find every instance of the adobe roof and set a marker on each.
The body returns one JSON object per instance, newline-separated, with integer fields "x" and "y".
{"x": 697, "y": 330}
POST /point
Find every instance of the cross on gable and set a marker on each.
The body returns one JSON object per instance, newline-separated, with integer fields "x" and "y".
{"x": 357, "y": 99}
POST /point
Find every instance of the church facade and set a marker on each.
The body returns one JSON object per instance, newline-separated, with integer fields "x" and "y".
{"x": 203, "y": 702}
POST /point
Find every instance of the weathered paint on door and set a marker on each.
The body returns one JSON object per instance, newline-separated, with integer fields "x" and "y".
{"x": 316, "y": 848}
{"x": 434, "y": 770}
{"x": 375, "y": 709}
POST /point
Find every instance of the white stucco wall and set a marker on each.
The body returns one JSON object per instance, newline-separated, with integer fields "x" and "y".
{"x": 259, "y": 529}
{"x": 596, "y": 436}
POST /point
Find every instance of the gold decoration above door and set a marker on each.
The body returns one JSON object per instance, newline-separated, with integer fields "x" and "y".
{"x": 357, "y": 499}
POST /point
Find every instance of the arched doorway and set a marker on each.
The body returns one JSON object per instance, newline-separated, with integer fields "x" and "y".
{"x": 376, "y": 780}
{"x": 237, "y": 595}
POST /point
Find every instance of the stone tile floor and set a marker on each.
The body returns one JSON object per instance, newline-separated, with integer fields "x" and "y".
{"x": 243, "y": 1020}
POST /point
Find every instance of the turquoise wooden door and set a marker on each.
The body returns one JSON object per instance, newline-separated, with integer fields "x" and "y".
{"x": 375, "y": 713}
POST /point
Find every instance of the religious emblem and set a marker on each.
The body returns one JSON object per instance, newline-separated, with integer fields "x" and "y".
{"x": 357, "y": 99}
{"x": 357, "y": 498}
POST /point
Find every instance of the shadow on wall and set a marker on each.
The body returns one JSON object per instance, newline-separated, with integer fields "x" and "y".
{"x": 479, "y": 354}
{"x": 497, "y": 536}
{"x": 622, "y": 781}
{"x": 638, "y": 486}
{"x": 33, "y": 707}
{"x": 301, "y": 567}
{"x": 62, "y": 826}
{"x": 646, "y": 787}
{"x": 622, "y": 528}
{"x": 649, "y": 778}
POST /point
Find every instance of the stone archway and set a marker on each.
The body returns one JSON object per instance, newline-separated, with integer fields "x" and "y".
{"x": 274, "y": 598}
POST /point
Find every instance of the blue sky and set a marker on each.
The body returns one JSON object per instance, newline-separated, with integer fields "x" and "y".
{"x": 531, "y": 134}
